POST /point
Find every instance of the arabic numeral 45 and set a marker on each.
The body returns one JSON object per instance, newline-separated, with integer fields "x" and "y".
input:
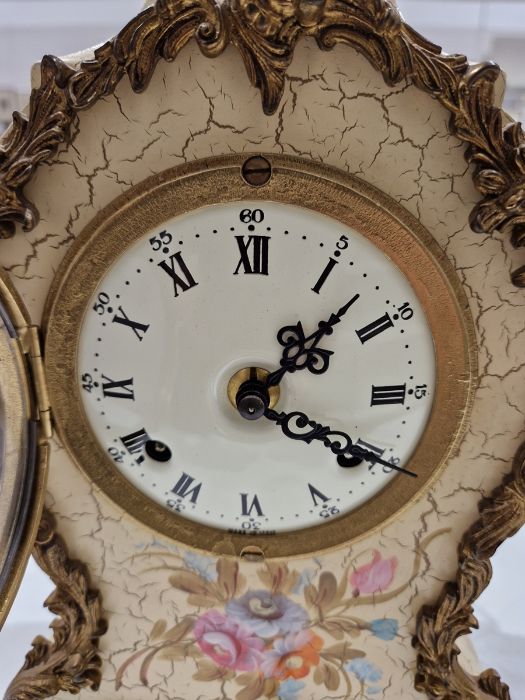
{"x": 87, "y": 383}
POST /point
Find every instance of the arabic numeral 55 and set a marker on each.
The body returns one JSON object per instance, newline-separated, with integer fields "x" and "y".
{"x": 163, "y": 239}
{"x": 102, "y": 304}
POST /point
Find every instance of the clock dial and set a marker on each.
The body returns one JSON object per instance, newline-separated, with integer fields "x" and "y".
{"x": 177, "y": 319}
{"x": 201, "y": 297}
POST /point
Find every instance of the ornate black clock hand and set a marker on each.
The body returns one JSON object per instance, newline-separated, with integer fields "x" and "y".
{"x": 338, "y": 442}
{"x": 301, "y": 352}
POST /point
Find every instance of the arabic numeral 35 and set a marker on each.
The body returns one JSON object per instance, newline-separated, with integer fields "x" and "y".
{"x": 102, "y": 304}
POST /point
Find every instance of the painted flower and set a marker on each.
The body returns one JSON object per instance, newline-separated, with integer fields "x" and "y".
{"x": 204, "y": 566}
{"x": 364, "y": 671}
{"x": 305, "y": 579}
{"x": 374, "y": 577}
{"x": 227, "y": 642}
{"x": 292, "y": 656}
{"x": 290, "y": 689}
{"x": 268, "y": 615}
{"x": 385, "y": 628}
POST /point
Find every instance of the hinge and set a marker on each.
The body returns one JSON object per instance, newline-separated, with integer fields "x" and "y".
{"x": 32, "y": 347}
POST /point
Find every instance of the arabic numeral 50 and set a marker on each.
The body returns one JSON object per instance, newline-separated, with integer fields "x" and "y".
{"x": 102, "y": 304}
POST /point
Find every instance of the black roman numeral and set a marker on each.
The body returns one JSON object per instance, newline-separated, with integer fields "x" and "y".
{"x": 122, "y": 389}
{"x": 316, "y": 494}
{"x": 254, "y": 255}
{"x": 247, "y": 508}
{"x": 134, "y": 443}
{"x": 175, "y": 268}
{"x": 375, "y": 328}
{"x": 324, "y": 275}
{"x": 184, "y": 488}
{"x": 138, "y": 328}
{"x": 371, "y": 448}
{"x": 388, "y": 394}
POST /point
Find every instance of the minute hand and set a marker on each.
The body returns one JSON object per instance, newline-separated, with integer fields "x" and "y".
{"x": 338, "y": 442}
{"x": 301, "y": 352}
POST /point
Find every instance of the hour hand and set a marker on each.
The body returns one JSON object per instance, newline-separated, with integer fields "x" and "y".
{"x": 298, "y": 426}
{"x": 301, "y": 352}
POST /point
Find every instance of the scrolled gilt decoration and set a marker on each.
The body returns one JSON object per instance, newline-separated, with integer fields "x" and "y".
{"x": 71, "y": 661}
{"x": 266, "y": 32}
{"x": 438, "y": 627}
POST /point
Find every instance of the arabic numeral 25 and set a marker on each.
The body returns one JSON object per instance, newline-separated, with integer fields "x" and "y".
{"x": 328, "y": 512}
{"x": 252, "y": 215}
{"x": 102, "y": 304}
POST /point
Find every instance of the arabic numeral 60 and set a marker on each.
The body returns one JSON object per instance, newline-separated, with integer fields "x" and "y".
{"x": 252, "y": 215}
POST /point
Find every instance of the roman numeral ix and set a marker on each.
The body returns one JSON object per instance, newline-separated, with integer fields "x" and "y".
{"x": 122, "y": 389}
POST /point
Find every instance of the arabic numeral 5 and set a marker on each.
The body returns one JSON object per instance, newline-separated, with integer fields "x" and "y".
{"x": 329, "y": 512}
{"x": 87, "y": 383}
{"x": 162, "y": 240}
{"x": 116, "y": 454}
{"x": 342, "y": 243}
{"x": 102, "y": 304}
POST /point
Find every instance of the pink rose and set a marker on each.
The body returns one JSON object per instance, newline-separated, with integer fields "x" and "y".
{"x": 227, "y": 642}
{"x": 374, "y": 577}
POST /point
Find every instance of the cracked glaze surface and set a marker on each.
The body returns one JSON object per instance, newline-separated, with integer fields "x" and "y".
{"x": 336, "y": 109}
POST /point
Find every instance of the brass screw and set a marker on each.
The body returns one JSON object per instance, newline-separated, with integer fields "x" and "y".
{"x": 257, "y": 171}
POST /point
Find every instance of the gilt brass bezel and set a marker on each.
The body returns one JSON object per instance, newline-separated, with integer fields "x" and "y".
{"x": 345, "y": 198}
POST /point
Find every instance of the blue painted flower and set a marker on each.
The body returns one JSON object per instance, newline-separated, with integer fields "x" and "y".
{"x": 385, "y": 628}
{"x": 204, "y": 566}
{"x": 289, "y": 689}
{"x": 268, "y": 615}
{"x": 305, "y": 579}
{"x": 364, "y": 670}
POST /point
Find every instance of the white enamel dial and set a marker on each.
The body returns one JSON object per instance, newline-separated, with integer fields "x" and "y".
{"x": 203, "y": 296}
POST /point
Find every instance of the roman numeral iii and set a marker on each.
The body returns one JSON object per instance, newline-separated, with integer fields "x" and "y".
{"x": 382, "y": 395}
{"x": 254, "y": 255}
{"x": 179, "y": 273}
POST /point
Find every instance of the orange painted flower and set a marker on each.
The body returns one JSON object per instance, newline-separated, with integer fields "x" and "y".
{"x": 292, "y": 656}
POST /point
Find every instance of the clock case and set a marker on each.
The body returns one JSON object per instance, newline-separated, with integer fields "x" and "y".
{"x": 266, "y": 35}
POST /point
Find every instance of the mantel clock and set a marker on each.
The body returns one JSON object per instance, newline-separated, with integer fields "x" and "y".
{"x": 269, "y": 300}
